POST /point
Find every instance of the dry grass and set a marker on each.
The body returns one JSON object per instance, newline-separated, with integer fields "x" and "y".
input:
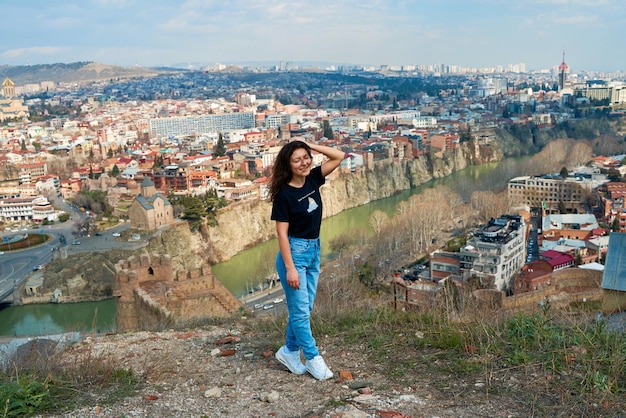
{"x": 549, "y": 362}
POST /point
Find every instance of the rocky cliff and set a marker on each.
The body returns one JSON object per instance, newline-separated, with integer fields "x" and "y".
{"x": 243, "y": 225}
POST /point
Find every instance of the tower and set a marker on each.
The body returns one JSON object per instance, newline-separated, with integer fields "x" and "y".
{"x": 563, "y": 70}
{"x": 8, "y": 88}
{"x": 147, "y": 188}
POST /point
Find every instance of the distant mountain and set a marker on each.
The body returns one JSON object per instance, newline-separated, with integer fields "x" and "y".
{"x": 77, "y": 72}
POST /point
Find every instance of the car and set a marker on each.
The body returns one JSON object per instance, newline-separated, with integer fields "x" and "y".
{"x": 258, "y": 306}
{"x": 116, "y": 234}
{"x": 266, "y": 307}
{"x": 98, "y": 234}
{"x": 278, "y": 300}
{"x": 1, "y": 252}
{"x": 75, "y": 242}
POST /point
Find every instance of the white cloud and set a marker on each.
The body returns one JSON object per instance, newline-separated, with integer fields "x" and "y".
{"x": 34, "y": 51}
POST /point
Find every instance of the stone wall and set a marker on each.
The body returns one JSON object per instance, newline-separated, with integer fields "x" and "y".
{"x": 567, "y": 286}
{"x": 150, "y": 294}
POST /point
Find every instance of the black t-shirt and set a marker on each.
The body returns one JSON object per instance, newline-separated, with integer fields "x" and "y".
{"x": 301, "y": 207}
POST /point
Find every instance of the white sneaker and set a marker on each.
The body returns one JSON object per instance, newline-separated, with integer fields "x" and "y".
{"x": 290, "y": 360}
{"x": 318, "y": 369}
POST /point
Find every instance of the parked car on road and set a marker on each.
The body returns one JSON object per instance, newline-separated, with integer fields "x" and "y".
{"x": 117, "y": 234}
{"x": 266, "y": 307}
{"x": 75, "y": 242}
{"x": 278, "y": 300}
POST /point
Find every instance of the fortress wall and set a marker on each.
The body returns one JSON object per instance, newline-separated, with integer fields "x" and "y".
{"x": 144, "y": 303}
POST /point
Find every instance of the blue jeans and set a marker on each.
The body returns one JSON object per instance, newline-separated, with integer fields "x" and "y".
{"x": 306, "y": 257}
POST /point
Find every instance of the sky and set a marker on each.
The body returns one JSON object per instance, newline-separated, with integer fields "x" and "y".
{"x": 465, "y": 33}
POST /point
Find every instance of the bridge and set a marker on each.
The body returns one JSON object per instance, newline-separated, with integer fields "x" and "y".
{"x": 6, "y": 298}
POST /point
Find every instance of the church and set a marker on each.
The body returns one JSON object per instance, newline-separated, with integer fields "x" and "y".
{"x": 11, "y": 107}
{"x": 150, "y": 209}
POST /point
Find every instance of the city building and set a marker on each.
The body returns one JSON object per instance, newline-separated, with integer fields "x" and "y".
{"x": 611, "y": 92}
{"x": 11, "y": 107}
{"x": 549, "y": 192}
{"x": 611, "y": 201}
{"x": 30, "y": 208}
{"x": 495, "y": 254}
{"x": 190, "y": 125}
{"x": 563, "y": 72}
{"x": 150, "y": 209}
{"x": 569, "y": 226}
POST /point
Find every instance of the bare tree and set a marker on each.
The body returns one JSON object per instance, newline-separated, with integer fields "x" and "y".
{"x": 377, "y": 220}
{"x": 489, "y": 205}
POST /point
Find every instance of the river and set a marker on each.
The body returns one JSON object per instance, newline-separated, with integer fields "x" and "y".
{"x": 57, "y": 318}
{"x": 250, "y": 267}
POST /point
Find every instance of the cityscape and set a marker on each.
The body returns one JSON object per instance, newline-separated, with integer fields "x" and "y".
{"x": 112, "y": 160}
{"x": 473, "y": 237}
{"x": 147, "y": 141}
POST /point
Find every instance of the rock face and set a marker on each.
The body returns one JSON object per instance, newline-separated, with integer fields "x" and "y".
{"x": 243, "y": 225}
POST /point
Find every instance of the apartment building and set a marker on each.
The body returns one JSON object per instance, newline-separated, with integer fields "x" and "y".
{"x": 172, "y": 178}
{"x": 32, "y": 171}
{"x": 496, "y": 253}
{"x": 611, "y": 198}
{"x": 549, "y": 192}
{"x": 190, "y": 125}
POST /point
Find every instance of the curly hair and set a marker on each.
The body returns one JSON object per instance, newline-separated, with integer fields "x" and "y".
{"x": 281, "y": 171}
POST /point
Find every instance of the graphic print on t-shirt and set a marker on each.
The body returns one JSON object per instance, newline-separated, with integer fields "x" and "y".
{"x": 312, "y": 205}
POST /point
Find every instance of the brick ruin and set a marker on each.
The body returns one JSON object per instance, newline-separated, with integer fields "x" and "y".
{"x": 150, "y": 294}
{"x": 567, "y": 286}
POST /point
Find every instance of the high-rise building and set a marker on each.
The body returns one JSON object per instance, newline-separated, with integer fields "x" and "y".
{"x": 563, "y": 71}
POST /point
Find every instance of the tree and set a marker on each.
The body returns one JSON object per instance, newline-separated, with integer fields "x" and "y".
{"x": 115, "y": 171}
{"x": 341, "y": 243}
{"x": 466, "y": 135}
{"x": 194, "y": 214}
{"x": 615, "y": 224}
{"x": 377, "y": 220}
{"x": 110, "y": 153}
{"x": 220, "y": 147}
{"x": 614, "y": 175}
{"x": 328, "y": 131}
{"x": 564, "y": 173}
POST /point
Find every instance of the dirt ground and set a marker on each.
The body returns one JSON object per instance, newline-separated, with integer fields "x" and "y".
{"x": 230, "y": 371}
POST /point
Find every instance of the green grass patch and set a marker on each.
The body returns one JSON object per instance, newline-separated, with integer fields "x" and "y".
{"x": 31, "y": 240}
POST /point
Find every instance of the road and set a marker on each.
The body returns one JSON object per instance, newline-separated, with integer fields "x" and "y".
{"x": 260, "y": 302}
{"x": 16, "y": 266}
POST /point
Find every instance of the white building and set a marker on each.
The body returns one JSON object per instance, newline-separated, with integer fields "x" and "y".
{"x": 495, "y": 254}
{"x": 25, "y": 208}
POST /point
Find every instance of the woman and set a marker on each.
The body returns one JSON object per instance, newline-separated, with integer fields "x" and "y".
{"x": 297, "y": 210}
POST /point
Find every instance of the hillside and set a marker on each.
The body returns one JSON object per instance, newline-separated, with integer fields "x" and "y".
{"x": 386, "y": 364}
{"x": 78, "y": 72}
